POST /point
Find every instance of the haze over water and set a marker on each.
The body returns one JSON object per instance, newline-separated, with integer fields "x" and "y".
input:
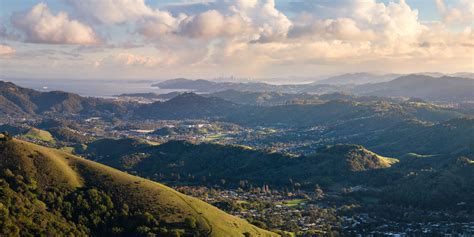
{"x": 93, "y": 88}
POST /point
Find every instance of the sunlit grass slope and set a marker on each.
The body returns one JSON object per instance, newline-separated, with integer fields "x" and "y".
{"x": 52, "y": 168}
{"x": 39, "y": 134}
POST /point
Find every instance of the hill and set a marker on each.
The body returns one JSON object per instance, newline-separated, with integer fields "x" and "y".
{"x": 434, "y": 182}
{"x": 263, "y": 98}
{"x": 357, "y": 158}
{"x": 48, "y": 132}
{"x": 19, "y": 101}
{"x": 379, "y": 112}
{"x": 432, "y": 140}
{"x": 212, "y": 86}
{"x": 371, "y": 114}
{"x": 437, "y": 181}
{"x": 40, "y": 135}
{"x": 77, "y": 196}
{"x": 303, "y": 109}
{"x": 212, "y": 163}
{"x": 63, "y": 130}
{"x": 444, "y": 89}
{"x": 152, "y": 96}
{"x": 13, "y": 129}
{"x": 187, "y": 106}
{"x": 357, "y": 79}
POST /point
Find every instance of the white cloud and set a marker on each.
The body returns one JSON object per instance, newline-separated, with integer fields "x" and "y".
{"x": 250, "y": 20}
{"x": 270, "y": 23}
{"x": 127, "y": 11}
{"x": 160, "y": 24}
{"x": 41, "y": 26}
{"x": 6, "y": 50}
{"x": 112, "y": 11}
{"x": 357, "y": 32}
{"x": 331, "y": 29}
{"x": 205, "y": 25}
{"x": 362, "y": 20}
{"x": 217, "y": 36}
{"x": 462, "y": 12}
{"x": 134, "y": 60}
{"x": 212, "y": 24}
{"x": 149, "y": 22}
{"x": 126, "y": 59}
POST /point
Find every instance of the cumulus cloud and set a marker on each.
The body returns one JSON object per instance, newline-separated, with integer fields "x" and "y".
{"x": 221, "y": 34}
{"x": 134, "y": 60}
{"x": 6, "y": 50}
{"x": 149, "y": 22}
{"x": 462, "y": 12}
{"x": 207, "y": 24}
{"x": 112, "y": 11}
{"x": 126, "y": 59}
{"x": 212, "y": 24}
{"x": 362, "y": 20}
{"x": 330, "y": 29}
{"x": 41, "y": 26}
{"x": 250, "y": 20}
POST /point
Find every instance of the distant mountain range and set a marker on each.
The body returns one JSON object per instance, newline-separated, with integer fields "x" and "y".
{"x": 211, "y": 86}
{"x": 357, "y": 79}
{"x": 18, "y": 101}
{"x": 441, "y": 89}
{"x": 264, "y": 98}
{"x": 193, "y": 106}
{"x": 371, "y": 78}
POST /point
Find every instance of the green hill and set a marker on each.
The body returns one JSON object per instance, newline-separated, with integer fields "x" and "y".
{"x": 187, "y": 106}
{"x": 73, "y": 195}
{"x": 19, "y": 101}
{"x": 439, "y": 182}
{"x": 212, "y": 163}
{"x": 453, "y": 137}
{"x": 356, "y": 158}
{"x": 39, "y": 135}
{"x": 13, "y": 129}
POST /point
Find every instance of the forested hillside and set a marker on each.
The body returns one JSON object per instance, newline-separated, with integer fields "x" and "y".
{"x": 47, "y": 192}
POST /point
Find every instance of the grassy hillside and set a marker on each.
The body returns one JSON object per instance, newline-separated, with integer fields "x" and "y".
{"x": 41, "y": 135}
{"x": 54, "y": 169}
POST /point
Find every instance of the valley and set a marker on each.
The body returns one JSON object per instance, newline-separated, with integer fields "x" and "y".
{"x": 237, "y": 118}
{"x": 305, "y": 164}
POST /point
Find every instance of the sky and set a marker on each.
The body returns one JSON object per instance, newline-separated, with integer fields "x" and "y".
{"x": 160, "y": 39}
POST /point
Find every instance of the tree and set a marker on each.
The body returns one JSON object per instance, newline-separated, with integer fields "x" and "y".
{"x": 318, "y": 192}
{"x": 190, "y": 222}
{"x": 176, "y": 233}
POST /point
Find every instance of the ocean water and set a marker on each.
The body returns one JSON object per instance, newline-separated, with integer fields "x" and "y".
{"x": 92, "y": 88}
